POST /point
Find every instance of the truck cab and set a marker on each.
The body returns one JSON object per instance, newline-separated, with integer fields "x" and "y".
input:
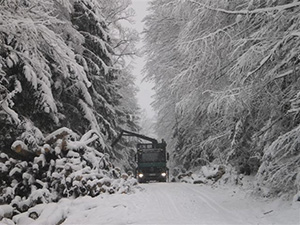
{"x": 151, "y": 161}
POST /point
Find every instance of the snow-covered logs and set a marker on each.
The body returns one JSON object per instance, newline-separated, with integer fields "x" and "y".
{"x": 65, "y": 166}
{"x": 207, "y": 174}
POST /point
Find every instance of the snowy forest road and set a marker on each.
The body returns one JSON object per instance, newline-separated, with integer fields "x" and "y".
{"x": 179, "y": 203}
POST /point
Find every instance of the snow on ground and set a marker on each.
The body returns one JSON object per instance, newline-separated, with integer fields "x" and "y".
{"x": 180, "y": 203}
{"x": 170, "y": 203}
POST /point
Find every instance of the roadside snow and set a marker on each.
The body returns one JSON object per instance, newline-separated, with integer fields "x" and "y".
{"x": 167, "y": 203}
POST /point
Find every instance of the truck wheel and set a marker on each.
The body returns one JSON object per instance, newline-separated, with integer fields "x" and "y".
{"x": 142, "y": 181}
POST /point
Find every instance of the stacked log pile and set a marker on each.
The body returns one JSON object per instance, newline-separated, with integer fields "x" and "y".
{"x": 64, "y": 166}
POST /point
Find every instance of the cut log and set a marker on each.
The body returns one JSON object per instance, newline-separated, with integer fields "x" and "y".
{"x": 33, "y": 215}
{"x": 46, "y": 149}
{"x": 61, "y": 133}
{"x": 218, "y": 174}
{"x": 3, "y": 157}
{"x": 199, "y": 182}
{"x": 64, "y": 145}
{"x": 6, "y": 211}
{"x": 182, "y": 175}
{"x": 21, "y": 149}
{"x": 124, "y": 176}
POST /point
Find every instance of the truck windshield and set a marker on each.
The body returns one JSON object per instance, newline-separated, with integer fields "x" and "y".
{"x": 152, "y": 156}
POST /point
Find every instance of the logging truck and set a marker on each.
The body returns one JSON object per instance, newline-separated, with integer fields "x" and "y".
{"x": 151, "y": 158}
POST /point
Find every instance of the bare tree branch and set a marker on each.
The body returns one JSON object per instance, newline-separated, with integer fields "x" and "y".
{"x": 255, "y": 11}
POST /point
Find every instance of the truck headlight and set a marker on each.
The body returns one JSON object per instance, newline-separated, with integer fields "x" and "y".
{"x": 164, "y": 174}
{"x": 141, "y": 175}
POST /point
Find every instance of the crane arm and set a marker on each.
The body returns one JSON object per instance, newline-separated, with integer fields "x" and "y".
{"x": 133, "y": 134}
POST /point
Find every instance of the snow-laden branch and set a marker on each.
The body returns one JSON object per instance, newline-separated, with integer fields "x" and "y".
{"x": 286, "y": 73}
{"x": 88, "y": 138}
{"x": 211, "y": 139}
{"x": 269, "y": 56}
{"x": 5, "y": 98}
{"x": 211, "y": 35}
{"x": 245, "y": 12}
{"x": 4, "y": 105}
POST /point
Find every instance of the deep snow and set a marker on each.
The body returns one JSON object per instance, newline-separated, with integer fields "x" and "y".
{"x": 169, "y": 203}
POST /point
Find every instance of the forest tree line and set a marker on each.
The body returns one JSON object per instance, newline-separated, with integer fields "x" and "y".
{"x": 66, "y": 88}
{"x": 63, "y": 64}
{"x": 227, "y": 84}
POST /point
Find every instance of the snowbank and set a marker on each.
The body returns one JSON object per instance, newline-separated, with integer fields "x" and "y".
{"x": 279, "y": 173}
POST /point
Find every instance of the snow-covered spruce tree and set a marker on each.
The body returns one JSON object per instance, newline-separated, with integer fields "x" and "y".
{"x": 38, "y": 69}
{"x": 127, "y": 119}
{"x": 56, "y": 72}
{"x": 75, "y": 78}
{"x": 122, "y": 42}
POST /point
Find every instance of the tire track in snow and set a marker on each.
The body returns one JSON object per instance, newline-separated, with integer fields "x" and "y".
{"x": 172, "y": 204}
{"x": 217, "y": 207}
{"x": 175, "y": 207}
{"x": 161, "y": 195}
{"x": 180, "y": 205}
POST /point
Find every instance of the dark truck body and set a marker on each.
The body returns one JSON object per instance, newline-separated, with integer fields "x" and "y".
{"x": 151, "y": 158}
{"x": 151, "y": 162}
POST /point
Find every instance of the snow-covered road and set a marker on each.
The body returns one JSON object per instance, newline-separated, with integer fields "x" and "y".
{"x": 179, "y": 203}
